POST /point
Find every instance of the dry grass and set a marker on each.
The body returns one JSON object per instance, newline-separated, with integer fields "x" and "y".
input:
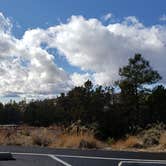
{"x": 152, "y": 138}
{"x": 77, "y": 141}
{"x": 50, "y": 137}
{"x": 78, "y": 137}
{"x": 42, "y": 137}
{"x": 13, "y": 137}
{"x": 26, "y": 136}
{"x": 130, "y": 142}
{"x": 163, "y": 139}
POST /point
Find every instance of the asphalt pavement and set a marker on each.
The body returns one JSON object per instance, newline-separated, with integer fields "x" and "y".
{"x": 38, "y": 156}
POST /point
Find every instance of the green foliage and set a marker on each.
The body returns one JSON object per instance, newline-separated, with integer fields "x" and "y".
{"x": 134, "y": 77}
{"x": 108, "y": 113}
{"x": 110, "y": 141}
{"x": 138, "y": 72}
{"x": 157, "y": 104}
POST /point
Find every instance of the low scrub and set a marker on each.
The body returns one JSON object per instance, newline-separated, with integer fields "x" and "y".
{"x": 77, "y": 141}
{"x": 162, "y": 140}
{"x": 151, "y": 136}
{"x": 49, "y": 137}
{"x": 129, "y": 142}
{"x": 42, "y": 137}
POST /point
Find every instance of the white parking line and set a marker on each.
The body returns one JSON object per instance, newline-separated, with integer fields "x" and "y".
{"x": 56, "y": 157}
{"x": 138, "y": 162}
{"x": 49, "y": 155}
{"x": 59, "y": 160}
{"x": 110, "y": 158}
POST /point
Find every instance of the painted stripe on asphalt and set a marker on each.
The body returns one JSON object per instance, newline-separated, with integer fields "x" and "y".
{"x": 105, "y": 158}
{"x": 49, "y": 155}
{"x": 91, "y": 157}
{"x": 59, "y": 160}
{"x": 138, "y": 162}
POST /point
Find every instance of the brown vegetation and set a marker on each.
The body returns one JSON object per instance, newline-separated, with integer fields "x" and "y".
{"x": 151, "y": 139}
{"x": 50, "y": 137}
{"x": 129, "y": 142}
{"x": 75, "y": 136}
{"x": 77, "y": 141}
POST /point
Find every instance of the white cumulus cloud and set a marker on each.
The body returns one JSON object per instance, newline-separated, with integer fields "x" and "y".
{"x": 79, "y": 79}
{"x": 90, "y": 45}
{"x": 163, "y": 17}
{"x": 28, "y": 69}
{"x": 107, "y": 16}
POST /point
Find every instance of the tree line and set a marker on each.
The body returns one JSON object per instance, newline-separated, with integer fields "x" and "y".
{"x": 112, "y": 111}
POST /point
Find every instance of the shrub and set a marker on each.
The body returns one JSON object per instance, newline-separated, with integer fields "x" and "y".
{"x": 163, "y": 139}
{"x": 151, "y": 137}
{"x": 88, "y": 144}
{"x": 76, "y": 140}
{"x": 110, "y": 141}
{"x": 129, "y": 142}
{"x": 25, "y": 132}
{"x": 41, "y": 138}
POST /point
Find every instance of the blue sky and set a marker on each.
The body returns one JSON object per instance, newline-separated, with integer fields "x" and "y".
{"x": 32, "y": 14}
{"x": 63, "y": 51}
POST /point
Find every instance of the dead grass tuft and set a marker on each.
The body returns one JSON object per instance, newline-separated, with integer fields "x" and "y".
{"x": 42, "y": 137}
{"x": 163, "y": 139}
{"x": 130, "y": 142}
{"x": 77, "y": 141}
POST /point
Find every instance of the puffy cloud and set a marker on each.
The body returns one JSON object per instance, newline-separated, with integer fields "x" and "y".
{"x": 163, "y": 17}
{"x": 78, "y": 79}
{"x": 102, "y": 78}
{"x": 107, "y": 16}
{"x": 5, "y": 24}
{"x": 28, "y": 69}
{"x": 90, "y": 45}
